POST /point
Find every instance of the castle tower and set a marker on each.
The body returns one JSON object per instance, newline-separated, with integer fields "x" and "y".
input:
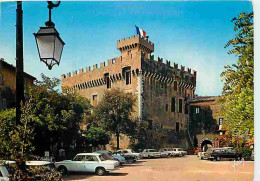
{"x": 134, "y": 47}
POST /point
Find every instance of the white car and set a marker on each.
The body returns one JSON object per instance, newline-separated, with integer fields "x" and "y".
{"x": 166, "y": 151}
{"x": 150, "y": 153}
{"x": 178, "y": 151}
{"x": 4, "y": 173}
{"x": 88, "y": 162}
{"x": 129, "y": 152}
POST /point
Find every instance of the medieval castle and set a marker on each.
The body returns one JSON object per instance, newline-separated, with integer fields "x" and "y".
{"x": 162, "y": 90}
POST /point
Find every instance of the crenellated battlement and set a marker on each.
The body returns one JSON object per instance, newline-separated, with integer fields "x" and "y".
{"x": 92, "y": 68}
{"x": 174, "y": 66}
{"x": 135, "y": 41}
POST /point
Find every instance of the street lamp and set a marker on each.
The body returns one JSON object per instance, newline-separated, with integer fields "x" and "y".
{"x": 49, "y": 43}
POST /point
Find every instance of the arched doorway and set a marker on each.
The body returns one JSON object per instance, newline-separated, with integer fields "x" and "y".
{"x": 205, "y": 144}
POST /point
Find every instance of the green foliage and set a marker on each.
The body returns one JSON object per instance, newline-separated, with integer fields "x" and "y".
{"x": 44, "y": 173}
{"x": 238, "y": 91}
{"x": 16, "y": 140}
{"x": 246, "y": 153}
{"x": 114, "y": 112}
{"x": 59, "y": 115}
{"x": 202, "y": 122}
{"x": 7, "y": 124}
{"x": 97, "y": 136}
{"x": 147, "y": 138}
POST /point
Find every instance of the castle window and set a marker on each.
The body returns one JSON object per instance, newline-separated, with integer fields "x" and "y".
{"x": 107, "y": 80}
{"x": 197, "y": 110}
{"x": 175, "y": 88}
{"x": 186, "y": 109}
{"x": 173, "y": 104}
{"x": 166, "y": 107}
{"x": 220, "y": 121}
{"x": 177, "y": 126}
{"x": 129, "y": 53}
{"x": 180, "y": 105}
{"x": 128, "y": 77}
{"x": 94, "y": 100}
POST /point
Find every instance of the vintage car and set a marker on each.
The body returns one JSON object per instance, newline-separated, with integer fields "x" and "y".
{"x": 88, "y": 162}
{"x": 150, "y": 153}
{"x": 4, "y": 174}
{"x": 178, "y": 151}
{"x": 224, "y": 153}
{"x": 129, "y": 152}
{"x": 166, "y": 151}
{"x": 112, "y": 156}
{"x": 129, "y": 155}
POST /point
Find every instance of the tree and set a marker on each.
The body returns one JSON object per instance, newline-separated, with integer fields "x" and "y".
{"x": 148, "y": 138}
{"x": 238, "y": 91}
{"x": 96, "y": 136}
{"x": 114, "y": 112}
{"x": 16, "y": 140}
{"x": 59, "y": 115}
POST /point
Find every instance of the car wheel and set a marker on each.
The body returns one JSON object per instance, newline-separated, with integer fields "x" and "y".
{"x": 100, "y": 171}
{"x": 218, "y": 158}
{"x": 238, "y": 158}
{"x": 130, "y": 160}
{"x": 149, "y": 156}
{"x": 63, "y": 170}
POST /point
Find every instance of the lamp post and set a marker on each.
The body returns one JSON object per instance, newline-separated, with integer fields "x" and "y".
{"x": 49, "y": 45}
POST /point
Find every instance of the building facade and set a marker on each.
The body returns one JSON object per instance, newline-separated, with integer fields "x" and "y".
{"x": 162, "y": 90}
{"x": 206, "y": 111}
{"x": 8, "y": 84}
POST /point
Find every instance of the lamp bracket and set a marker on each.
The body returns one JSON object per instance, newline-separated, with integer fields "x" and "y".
{"x": 50, "y": 6}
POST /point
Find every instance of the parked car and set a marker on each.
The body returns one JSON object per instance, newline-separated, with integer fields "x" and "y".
{"x": 88, "y": 162}
{"x": 165, "y": 153}
{"x": 129, "y": 156}
{"x": 4, "y": 174}
{"x": 201, "y": 154}
{"x": 184, "y": 152}
{"x": 178, "y": 152}
{"x": 129, "y": 152}
{"x": 112, "y": 156}
{"x": 150, "y": 153}
{"x": 224, "y": 153}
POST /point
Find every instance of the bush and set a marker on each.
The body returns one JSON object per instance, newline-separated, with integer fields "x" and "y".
{"x": 246, "y": 153}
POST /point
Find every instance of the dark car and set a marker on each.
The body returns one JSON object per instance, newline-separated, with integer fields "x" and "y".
{"x": 228, "y": 154}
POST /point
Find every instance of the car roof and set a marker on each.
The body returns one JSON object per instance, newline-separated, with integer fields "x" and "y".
{"x": 37, "y": 163}
{"x": 94, "y": 154}
{"x": 101, "y": 151}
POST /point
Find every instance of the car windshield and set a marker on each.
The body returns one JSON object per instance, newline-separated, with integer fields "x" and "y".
{"x": 103, "y": 158}
{"x": 209, "y": 150}
{"x": 179, "y": 149}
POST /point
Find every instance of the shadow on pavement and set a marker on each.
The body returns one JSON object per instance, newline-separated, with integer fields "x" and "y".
{"x": 83, "y": 176}
{"x": 116, "y": 174}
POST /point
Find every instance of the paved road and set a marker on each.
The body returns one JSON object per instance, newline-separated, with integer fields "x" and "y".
{"x": 177, "y": 169}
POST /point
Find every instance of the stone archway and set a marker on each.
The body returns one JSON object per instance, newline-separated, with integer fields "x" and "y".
{"x": 204, "y": 145}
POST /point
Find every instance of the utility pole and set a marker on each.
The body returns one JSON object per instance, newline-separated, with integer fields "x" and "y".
{"x": 19, "y": 61}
